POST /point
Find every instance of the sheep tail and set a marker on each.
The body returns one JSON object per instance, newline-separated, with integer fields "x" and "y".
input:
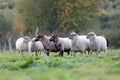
{"x": 108, "y": 42}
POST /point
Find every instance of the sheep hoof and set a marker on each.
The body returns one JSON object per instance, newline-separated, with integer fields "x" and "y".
{"x": 36, "y": 54}
{"x": 47, "y": 54}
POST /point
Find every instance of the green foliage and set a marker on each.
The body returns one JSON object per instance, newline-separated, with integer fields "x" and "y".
{"x": 57, "y": 14}
{"x": 11, "y": 4}
{"x": 7, "y": 4}
{"x": 14, "y": 64}
{"x": 7, "y": 18}
{"x": 5, "y": 22}
{"x": 36, "y": 13}
{"x": 114, "y": 21}
{"x": 114, "y": 38}
{"x": 110, "y": 19}
{"x": 41, "y": 67}
{"x": 108, "y": 23}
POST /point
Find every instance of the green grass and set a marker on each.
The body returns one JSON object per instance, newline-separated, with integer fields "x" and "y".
{"x": 82, "y": 67}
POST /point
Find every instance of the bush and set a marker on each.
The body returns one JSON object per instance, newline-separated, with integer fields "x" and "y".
{"x": 114, "y": 38}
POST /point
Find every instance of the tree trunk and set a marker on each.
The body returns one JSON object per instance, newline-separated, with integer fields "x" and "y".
{"x": 5, "y": 45}
{"x": 9, "y": 44}
{"x": 21, "y": 33}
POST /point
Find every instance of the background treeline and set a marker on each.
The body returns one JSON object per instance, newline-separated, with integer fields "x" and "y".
{"x": 21, "y": 17}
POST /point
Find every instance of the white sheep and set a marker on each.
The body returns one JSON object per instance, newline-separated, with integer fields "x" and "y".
{"x": 79, "y": 43}
{"x": 62, "y": 44}
{"x": 35, "y": 47}
{"x": 22, "y": 44}
{"x": 97, "y": 43}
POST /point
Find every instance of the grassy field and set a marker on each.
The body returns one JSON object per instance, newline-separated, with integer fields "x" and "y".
{"x": 82, "y": 67}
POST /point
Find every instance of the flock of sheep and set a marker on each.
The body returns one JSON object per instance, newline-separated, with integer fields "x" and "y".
{"x": 72, "y": 44}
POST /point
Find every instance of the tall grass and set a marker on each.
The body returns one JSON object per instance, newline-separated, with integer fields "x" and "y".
{"x": 41, "y": 67}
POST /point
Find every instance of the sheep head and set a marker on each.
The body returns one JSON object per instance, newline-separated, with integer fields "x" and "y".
{"x": 37, "y": 38}
{"x": 53, "y": 38}
{"x": 72, "y": 35}
{"x": 26, "y": 39}
{"x": 33, "y": 40}
{"x": 91, "y": 36}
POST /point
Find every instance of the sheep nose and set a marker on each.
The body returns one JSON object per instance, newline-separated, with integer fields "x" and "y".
{"x": 36, "y": 39}
{"x": 50, "y": 39}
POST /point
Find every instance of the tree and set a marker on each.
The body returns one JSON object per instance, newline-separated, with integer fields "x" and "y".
{"x": 57, "y": 14}
{"x": 35, "y": 13}
{"x": 76, "y": 14}
{"x": 18, "y": 27}
{"x": 5, "y": 24}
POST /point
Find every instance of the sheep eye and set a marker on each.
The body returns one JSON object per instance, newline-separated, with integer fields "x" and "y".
{"x": 53, "y": 38}
{"x": 92, "y": 34}
{"x": 74, "y": 34}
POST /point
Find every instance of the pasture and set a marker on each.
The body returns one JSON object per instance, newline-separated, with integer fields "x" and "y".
{"x": 82, "y": 67}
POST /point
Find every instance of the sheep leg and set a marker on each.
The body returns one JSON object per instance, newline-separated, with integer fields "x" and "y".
{"x": 104, "y": 51}
{"x": 98, "y": 51}
{"x": 81, "y": 53}
{"x": 47, "y": 53}
{"x": 36, "y": 53}
{"x": 33, "y": 53}
{"x": 73, "y": 53}
{"x": 61, "y": 53}
{"x": 22, "y": 53}
{"x": 90, "y": 52}
{"x": 40, "y": 52}
{"x": 68, "y": 52}
{"x": 19, "y": 51}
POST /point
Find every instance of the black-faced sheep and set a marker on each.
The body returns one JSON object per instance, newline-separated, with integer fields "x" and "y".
{"x": 48, "y": 45}
{"x": 62, "y": 44}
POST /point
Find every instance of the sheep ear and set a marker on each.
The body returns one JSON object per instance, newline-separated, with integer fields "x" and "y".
{"x": 55, "y": 35}
{"x": 40, "y": 35}
{"x": 25, "y": 37}
{"x": 52, "y": 35}
{"x": 37, "y": 35}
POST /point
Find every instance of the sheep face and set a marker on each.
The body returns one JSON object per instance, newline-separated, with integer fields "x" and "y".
{"x": 53, "y": 38}
{"x": 91, "y": 36}
{"x": 26, "y": 39}
{"x": 38, "y": 37}
{"x": 72, "y": 35}
{"x": 33, "y": 40}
